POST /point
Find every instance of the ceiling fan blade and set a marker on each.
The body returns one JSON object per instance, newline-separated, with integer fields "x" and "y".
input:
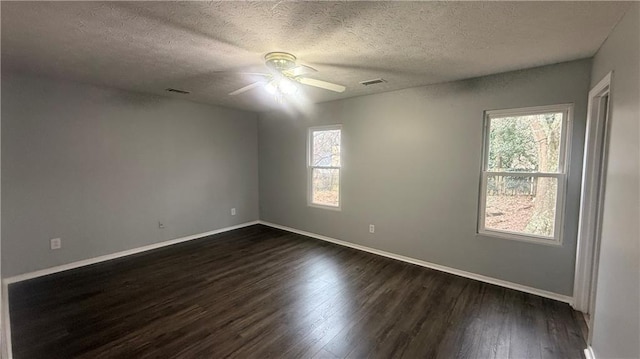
{"x": 246, "y": 88}
{"x": 321, "y": 84}
{"x": 299, "y": 70}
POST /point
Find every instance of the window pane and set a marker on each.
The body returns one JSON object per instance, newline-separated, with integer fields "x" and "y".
{"x": 525, "y": 143}
{"x": 521, "y": 204}
{"x": 325, "y": 186}
{"x": 326, "y": 148}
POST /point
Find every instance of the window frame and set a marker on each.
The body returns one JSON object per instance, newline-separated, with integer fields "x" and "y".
{"x": 562, "y": 176}
{"x": 310, "y": 167}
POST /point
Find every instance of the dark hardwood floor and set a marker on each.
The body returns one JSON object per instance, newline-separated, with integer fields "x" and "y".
{"x": 258, "y": 292}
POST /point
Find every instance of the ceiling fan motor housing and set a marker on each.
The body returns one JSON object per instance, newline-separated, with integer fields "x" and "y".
{"x": 280, "y": 60}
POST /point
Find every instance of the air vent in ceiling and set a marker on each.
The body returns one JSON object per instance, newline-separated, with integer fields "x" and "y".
{"x": 182, "y": 92}
{"x": 373, "y": 82}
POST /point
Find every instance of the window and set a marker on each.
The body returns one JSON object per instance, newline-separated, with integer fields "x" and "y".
{"x": 324, "y": 166}
{"x": 524, "y": 173}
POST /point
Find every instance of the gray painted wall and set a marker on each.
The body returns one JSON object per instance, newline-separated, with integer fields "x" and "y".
{"x": 100, "y": 167}
{"x": 616, "y": 329}
{"x": 412, "y": 167}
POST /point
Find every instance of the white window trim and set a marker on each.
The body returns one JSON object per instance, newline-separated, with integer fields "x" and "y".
{"x": 310, "y": 168}
{"x": 564, "y": 161}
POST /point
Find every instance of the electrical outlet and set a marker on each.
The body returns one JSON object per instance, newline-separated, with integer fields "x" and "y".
{"x": 160, "y": 225}
{"x": 372, "y": 228}
{"x": 56, "y": 243}
{"x": 233, "y": 211}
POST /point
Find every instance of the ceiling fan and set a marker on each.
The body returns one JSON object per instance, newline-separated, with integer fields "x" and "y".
{"x": 282, "y": 76}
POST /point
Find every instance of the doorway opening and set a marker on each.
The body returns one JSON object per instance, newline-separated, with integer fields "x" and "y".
{"x": 592, "y": 199}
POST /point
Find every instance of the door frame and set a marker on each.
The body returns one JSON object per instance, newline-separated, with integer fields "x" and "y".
{"x": 591, "y": 196}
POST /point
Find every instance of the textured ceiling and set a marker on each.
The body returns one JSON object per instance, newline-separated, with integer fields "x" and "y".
{"x": 200, "y": 46}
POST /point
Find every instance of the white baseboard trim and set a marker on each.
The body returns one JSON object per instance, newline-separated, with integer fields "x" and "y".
{"x": 18, "y": 278}
{"x": 588, "y": 353}
{"x": 86, "y": 262}
{"x": 7, "y": 350}
{"x": 458, "y": 272}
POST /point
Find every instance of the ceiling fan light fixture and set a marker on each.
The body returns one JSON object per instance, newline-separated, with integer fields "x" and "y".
{"x": 281, "y": 88}
{"x": 285, "y": 76}
{"x": 271, "y": 88}
{"x": 287, "y": 87}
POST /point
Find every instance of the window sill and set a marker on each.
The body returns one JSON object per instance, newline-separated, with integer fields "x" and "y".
{"x": 331, "y": 208}
{"x": 520, "y": 238}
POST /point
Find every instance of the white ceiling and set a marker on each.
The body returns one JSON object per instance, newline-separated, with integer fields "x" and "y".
{"x": 198, "y": 46}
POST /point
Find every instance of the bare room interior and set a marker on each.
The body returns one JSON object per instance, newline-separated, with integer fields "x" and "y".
{"x": 285, "y": 179}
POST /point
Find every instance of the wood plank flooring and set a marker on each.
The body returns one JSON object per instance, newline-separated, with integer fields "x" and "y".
{"x": 259, "y": 292}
